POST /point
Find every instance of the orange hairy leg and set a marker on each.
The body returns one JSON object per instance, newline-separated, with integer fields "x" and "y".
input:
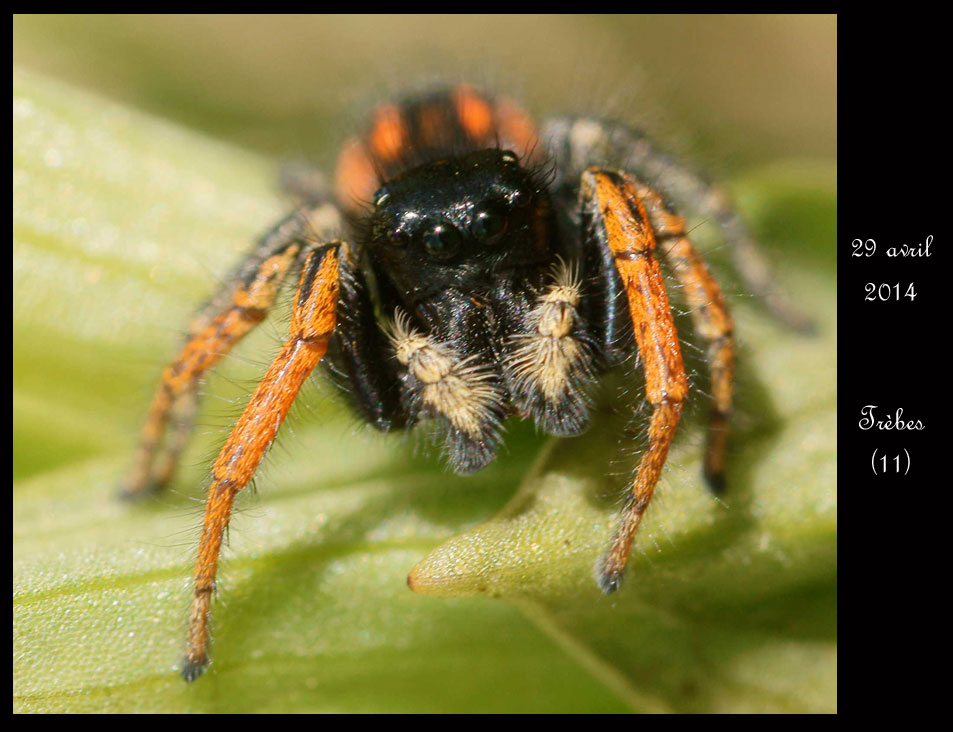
{"x": 617, "y": 216}
{"x": 711, "y": 319}
{"x": 312, "y": 323}
{"x": 583, "y": 141}
{"x": 238, "y": 308}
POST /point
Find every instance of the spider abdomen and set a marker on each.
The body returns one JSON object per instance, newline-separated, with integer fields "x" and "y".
{"x": 424, "y": 129}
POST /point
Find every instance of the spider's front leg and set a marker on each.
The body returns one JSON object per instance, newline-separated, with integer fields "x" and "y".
{"x": 239, "y": 306}
{"x": 312, "y": 324}
{"x": 579, "y": 142}
{"x": 614, "y": 215}
{"x": 710, "y": 316}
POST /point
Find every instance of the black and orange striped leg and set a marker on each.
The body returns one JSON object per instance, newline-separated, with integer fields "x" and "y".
{"x": 579, "y": 142}
{"x": 689, "y": 191}
{"x": 235, "y": 311}
{"x": 312, "y": 323}
{"x": 711, "y": 319}
{"x": 181, "y": 420}
{"x": 613, "y": 213}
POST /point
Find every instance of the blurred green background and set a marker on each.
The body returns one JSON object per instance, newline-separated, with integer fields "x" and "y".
{"x": 145, "y": 150}
{"x": 743, "y": 88}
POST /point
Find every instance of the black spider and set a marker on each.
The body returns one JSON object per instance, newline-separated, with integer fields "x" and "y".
{"x": 467, "y": 267}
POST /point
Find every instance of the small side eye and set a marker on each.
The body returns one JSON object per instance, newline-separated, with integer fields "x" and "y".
{"x": 520, "y": 199}
{"x": 442, "y": 241}
{"x": 488, "y": 226}
{"x": 399, "y": 238}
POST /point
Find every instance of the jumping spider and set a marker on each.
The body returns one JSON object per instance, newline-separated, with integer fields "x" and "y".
{"x": 512, "y": 267}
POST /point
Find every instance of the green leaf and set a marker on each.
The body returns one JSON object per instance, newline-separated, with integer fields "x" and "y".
{"x": 122, "y": 224}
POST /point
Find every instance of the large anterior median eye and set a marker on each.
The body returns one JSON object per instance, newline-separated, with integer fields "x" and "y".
{"x": 442, "y": 241}
{"x": 488, "y": 225}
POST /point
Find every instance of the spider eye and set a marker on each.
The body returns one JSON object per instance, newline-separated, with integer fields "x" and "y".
{"x": 520, "y": 199}
{"x": 399, "y": 238}
{"x": 487, "y": 226}
{"x": 442, "y": 241}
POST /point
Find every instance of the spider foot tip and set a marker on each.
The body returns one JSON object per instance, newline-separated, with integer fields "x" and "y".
{"x": 137, "y": 492}
{"x": 797, "y": 321}
{"x": 608, "y": 579}
{"x": 716, "y": 483}
{"x": 191, "y": 670}
{"x": 806, "y": 328}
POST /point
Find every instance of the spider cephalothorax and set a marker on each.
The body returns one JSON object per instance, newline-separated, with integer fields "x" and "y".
{"x": 468, "y": 267}
{"x": 462, "y": 251}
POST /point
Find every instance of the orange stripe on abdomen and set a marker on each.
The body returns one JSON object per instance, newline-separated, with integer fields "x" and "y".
{"x": 473, "y": 113}
{"x": 516, "y": 130}
{"x": 355, "y": 177}
{"x": 389, "y": 137}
